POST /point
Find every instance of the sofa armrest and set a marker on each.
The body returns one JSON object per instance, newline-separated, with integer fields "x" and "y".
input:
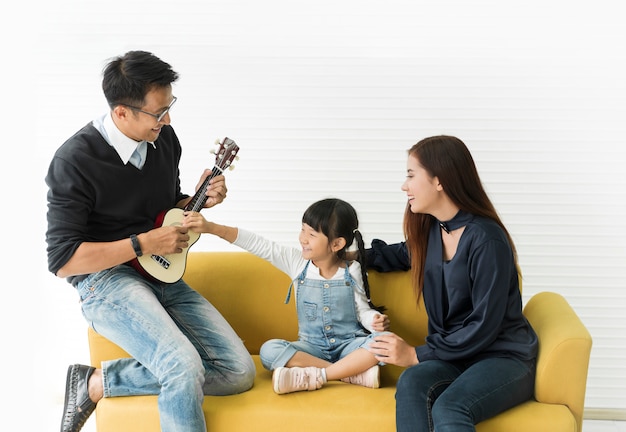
{"x": 564, "y": 350}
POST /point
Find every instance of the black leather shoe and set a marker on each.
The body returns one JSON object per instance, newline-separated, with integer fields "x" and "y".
{"x": 78, "y": 406}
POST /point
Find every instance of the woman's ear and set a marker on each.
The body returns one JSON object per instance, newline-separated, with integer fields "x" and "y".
{"x": 437, "y": 184}
{"x": 338, "y": 244}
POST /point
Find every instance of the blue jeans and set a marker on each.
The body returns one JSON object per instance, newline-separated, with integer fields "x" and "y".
{"x": 451, "y": 397}
{"x": 181, "y": 346}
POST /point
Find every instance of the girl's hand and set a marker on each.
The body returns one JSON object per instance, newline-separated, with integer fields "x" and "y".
{"x": 195, "y": 222}
{"x": 380, "y": 322}
{"x": 392, "y": 349}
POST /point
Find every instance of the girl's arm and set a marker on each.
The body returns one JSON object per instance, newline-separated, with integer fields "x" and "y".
{"x": 287, "y": 259}
{"x": 369, "y": 318}
{"x": 196, "y": 222}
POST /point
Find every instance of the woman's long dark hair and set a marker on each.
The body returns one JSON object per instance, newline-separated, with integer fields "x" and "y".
{"x": 336, "y": 218}
{"x": 448, "y": 159}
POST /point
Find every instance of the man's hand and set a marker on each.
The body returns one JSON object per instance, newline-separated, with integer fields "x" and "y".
{"x": 164, "y": 240}
{"x": 216, "y": 192}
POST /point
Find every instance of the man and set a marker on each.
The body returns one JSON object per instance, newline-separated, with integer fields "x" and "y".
{"x": 107, "y": 184}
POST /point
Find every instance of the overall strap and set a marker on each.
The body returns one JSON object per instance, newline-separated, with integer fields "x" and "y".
{"x": 300, "y": 279}
{"x": 346, "y": 275}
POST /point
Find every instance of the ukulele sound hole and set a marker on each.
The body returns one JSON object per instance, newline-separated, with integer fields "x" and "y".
{"x": 162, "y": 261}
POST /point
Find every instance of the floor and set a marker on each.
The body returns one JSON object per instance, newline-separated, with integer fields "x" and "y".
{"x": 604, "y": 426}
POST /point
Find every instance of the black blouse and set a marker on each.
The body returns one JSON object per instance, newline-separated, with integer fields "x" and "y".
{"x": 473, "y": 301}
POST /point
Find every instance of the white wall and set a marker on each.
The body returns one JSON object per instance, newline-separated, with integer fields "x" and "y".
{"x": 325, "y": 97}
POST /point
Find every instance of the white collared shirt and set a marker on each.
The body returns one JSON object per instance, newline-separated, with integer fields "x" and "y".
{"x": 127, "y": 148}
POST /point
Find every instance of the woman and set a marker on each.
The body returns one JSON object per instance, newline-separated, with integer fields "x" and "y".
{"x": 479, "y": 356}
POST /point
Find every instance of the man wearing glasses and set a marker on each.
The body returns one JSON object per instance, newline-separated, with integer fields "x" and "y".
{"x": 107, "y": 183}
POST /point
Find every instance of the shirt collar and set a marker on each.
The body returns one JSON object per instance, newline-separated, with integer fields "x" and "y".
{"x": 123, "y": 145}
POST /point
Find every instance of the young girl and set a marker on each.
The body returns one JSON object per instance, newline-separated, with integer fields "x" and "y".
{"x": 336, "y": 319}
{"x": 479, "y": 356}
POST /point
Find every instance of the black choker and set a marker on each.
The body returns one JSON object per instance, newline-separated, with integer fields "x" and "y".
{"x": 459, "y": 220}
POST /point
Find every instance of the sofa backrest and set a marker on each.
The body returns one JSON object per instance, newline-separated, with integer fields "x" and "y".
{"x": 250, "y": 293}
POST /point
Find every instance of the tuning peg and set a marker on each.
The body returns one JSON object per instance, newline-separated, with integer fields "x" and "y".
{"x": 231, "y": 167}
{"x": 212, "y": 151}
{"x": 218, "y": 141}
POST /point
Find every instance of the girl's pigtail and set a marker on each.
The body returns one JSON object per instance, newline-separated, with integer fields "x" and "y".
{"x": 361, "y": 259}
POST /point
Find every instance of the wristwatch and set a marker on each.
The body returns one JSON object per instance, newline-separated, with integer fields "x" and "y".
{"x": 135, "y": 242}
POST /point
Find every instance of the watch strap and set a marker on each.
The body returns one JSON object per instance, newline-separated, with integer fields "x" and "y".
{"x": 136, "y": 246}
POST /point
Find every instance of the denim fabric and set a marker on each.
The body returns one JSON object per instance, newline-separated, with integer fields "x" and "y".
{"x": 445, "y": 397}
{"x": 328, "y": 327}
{"x": 182, "y": 347}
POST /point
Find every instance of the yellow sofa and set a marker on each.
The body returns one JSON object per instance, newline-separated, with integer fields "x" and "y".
{"x": 250, "y": 293}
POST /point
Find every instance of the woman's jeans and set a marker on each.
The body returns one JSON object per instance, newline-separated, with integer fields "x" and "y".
{"x": 451, "y": 397}
{"x": 181, "y": 346}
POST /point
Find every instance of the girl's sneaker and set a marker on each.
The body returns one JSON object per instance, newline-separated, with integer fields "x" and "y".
{"x": 370, "y": 378}
{"x": 288, "y": 380}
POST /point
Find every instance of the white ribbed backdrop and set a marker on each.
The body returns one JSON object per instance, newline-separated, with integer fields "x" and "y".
{"x": 325, "y": 97}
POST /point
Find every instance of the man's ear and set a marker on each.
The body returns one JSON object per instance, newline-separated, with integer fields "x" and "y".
{"x": 120, "y": 112}
{"x": 338, "y": 244}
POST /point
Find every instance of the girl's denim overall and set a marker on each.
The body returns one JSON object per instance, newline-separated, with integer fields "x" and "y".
{"x": 328, "y": 326}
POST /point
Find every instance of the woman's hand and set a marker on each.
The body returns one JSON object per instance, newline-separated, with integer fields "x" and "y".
{"x": 392, "y": 349}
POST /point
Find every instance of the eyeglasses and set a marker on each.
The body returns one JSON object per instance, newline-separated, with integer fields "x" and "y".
{"x": 158, "y": 117}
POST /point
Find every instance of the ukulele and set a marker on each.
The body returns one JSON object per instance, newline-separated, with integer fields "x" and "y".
{"x": 170, "y": 268}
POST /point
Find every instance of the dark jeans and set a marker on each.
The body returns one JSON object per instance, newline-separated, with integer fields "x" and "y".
{"x": 438, "y": 396}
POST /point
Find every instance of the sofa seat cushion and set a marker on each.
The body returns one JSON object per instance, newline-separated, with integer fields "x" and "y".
{"x": 531, "y": 416}
{"x": 337, "y": 406}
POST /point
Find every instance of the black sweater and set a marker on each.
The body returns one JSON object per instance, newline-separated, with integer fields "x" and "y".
{"x": 94, "y": 197}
